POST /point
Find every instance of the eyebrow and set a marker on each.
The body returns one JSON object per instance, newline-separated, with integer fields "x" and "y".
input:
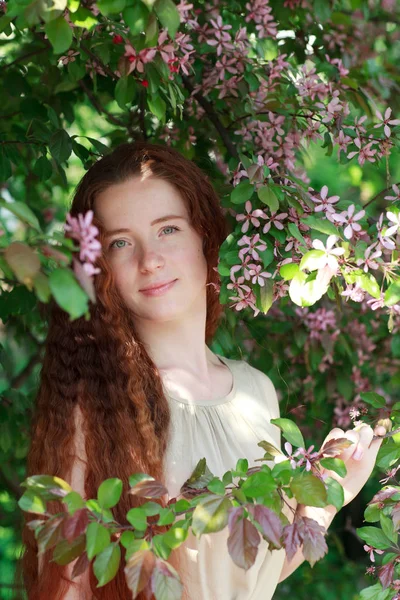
{"x": 159, "y": 220}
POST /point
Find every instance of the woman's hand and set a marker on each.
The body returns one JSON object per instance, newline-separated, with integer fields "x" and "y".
{"x": 359, "y": 458}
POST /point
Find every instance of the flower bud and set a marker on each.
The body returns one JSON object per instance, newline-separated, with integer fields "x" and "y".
{"x": 386, "y": 423}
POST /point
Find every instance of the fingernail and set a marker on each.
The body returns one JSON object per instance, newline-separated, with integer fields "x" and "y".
{"x": 358, "y": 453}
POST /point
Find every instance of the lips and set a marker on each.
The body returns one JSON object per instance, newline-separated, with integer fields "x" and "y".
{"x": 157, "y": 286}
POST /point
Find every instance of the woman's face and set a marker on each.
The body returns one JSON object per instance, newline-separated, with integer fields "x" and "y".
{"x": 152, "y": 247}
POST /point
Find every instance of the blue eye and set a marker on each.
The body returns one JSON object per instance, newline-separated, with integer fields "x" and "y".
{"x": 115, "y": 241}
{"x": 171, "y": 227}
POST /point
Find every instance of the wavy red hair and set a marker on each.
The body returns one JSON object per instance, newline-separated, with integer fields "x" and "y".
{"x": 101, "y": 366}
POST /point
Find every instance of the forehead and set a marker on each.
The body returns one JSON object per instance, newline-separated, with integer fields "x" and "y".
{"x": 140, "y": 199}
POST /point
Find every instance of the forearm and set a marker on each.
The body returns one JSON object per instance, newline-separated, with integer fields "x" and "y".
{"x": 324, "y": 516}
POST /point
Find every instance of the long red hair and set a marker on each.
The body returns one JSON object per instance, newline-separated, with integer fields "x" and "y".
{"x": 101, "y": 366}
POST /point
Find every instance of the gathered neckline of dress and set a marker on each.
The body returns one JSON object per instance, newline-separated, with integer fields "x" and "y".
{"x": 216, "y": 401}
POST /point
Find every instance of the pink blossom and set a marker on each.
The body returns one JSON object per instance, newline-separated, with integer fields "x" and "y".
{"x": 258, "y": 275}
{"x": 368, "y": 260}
{"x": 243, "y": 300}
{"x": 364, "y": 153}
{"x": 251, "y": 245}
{"x": 323, "y": 202}
{"x": 349, "y": 219}
{"x": 371, "y": 551}
{"x": 330, "y": 252}
{"x": 376, "y": 303}
{"x": 251, "y": 216}
{"x": 394, "y": 218}
{"x": 81, "y": 229}
{"x": 354, "y": 292}
{"x": 396, "y": 190}
{"x": 138, "y": 60}
{"x": 274, "y": 220}
{"x": 385, "y": 121}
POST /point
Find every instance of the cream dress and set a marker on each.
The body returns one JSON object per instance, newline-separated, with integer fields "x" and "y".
{"x": 223, "y": 430}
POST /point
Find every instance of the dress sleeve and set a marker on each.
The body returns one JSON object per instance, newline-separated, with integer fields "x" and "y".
{"x": 269, "y": 398}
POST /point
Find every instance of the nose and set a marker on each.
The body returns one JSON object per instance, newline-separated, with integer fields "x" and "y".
{"x": 150, "y": 260}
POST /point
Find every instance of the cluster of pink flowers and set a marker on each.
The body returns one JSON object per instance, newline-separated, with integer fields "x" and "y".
{"x": 82, "y": 230}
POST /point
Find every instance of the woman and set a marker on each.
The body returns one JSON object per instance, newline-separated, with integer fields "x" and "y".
{"x": 137, "y": 389}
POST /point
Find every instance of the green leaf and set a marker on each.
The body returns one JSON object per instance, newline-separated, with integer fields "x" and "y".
{"x": 59, "y": 33}
{"x": 5, "y": 166}
{"x": 388, "y": 527}
{"x": 168, "y": 15}
{"x": 288, "y": 271}
{"x": 157, "y": 106}
{"x": 110, "y": 7}
{"x": 210, "y": 515}
{"x": 125, "y": 91}
{"x": 83, "y": 18}
{"x": 375, "y": 592}
{"x": 106, "y": 564}
{"x": 268, "y": 197}
{"x": 165, "y": 581}
{"x": 43, "y": 168}
{"x": 372, "y": 513}
{"x": 259, "y": 484}
{"x": 335, "y": 495}
{"x": 23, "y": 212}
{"x": 97, "y": 539}
{"x": 175, "y": 536}
{"x": 216, "y": 486}
{"x": 321, "y": 225}
{"x": 392, "y": 294}
{"x": 60, "y": 145}
{"x": 374, "y": 537}
{"x": 242, "y": 192}
{"x": 242, "y": 465}
{"x": 68, "y": 293}
{"x": 74, "y": 502}
{"x": 308, "y": 489}
{"x": 374, "y": 399}
{"x": 367, "y": 282}
{"x": 388, "y": 455}
{"x": 167, "y": 516}
{"x": 136, "y": 17}
{"x": 137, "y": 518}
{"x": 313, "y": 260}
{"x": 290, "y": 431}
{"x": 32, "y": 502}
{"x": 334, "y": 464}
{"x": 109, "y": 492}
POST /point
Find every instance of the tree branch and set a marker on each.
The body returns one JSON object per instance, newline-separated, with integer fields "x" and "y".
{"x": 213, "y": 116}
{"x": 379, "y": 194}
{"x": 100, "y": 109}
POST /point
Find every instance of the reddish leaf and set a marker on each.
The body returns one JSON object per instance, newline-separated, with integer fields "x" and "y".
{"x": 84, "y": 279}
{"x": 165, "y": 581}
{"x": 81, "y": 565}
{"x": 396, "y": 516}
{"x": 335, "y": 447}
{"x": 383, "y": 495}
{"x": 149, "y": 489}
{"x": 243, "y": 541}
{"x": 138, "y": 570}
{"x": 76, "y": 524}
{"x": 292, "y": 538}
{"x": 385, "y": 574}
{"x": 271, "y": 524}
{"x": 314, "y": 543}
{"x": 50, "y": 534}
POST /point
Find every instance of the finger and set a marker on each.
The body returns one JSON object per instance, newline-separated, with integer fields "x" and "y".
{"x": 334, "y": 433}
{"x": 354, "y": 437}
{"x": 367, "y": 447}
